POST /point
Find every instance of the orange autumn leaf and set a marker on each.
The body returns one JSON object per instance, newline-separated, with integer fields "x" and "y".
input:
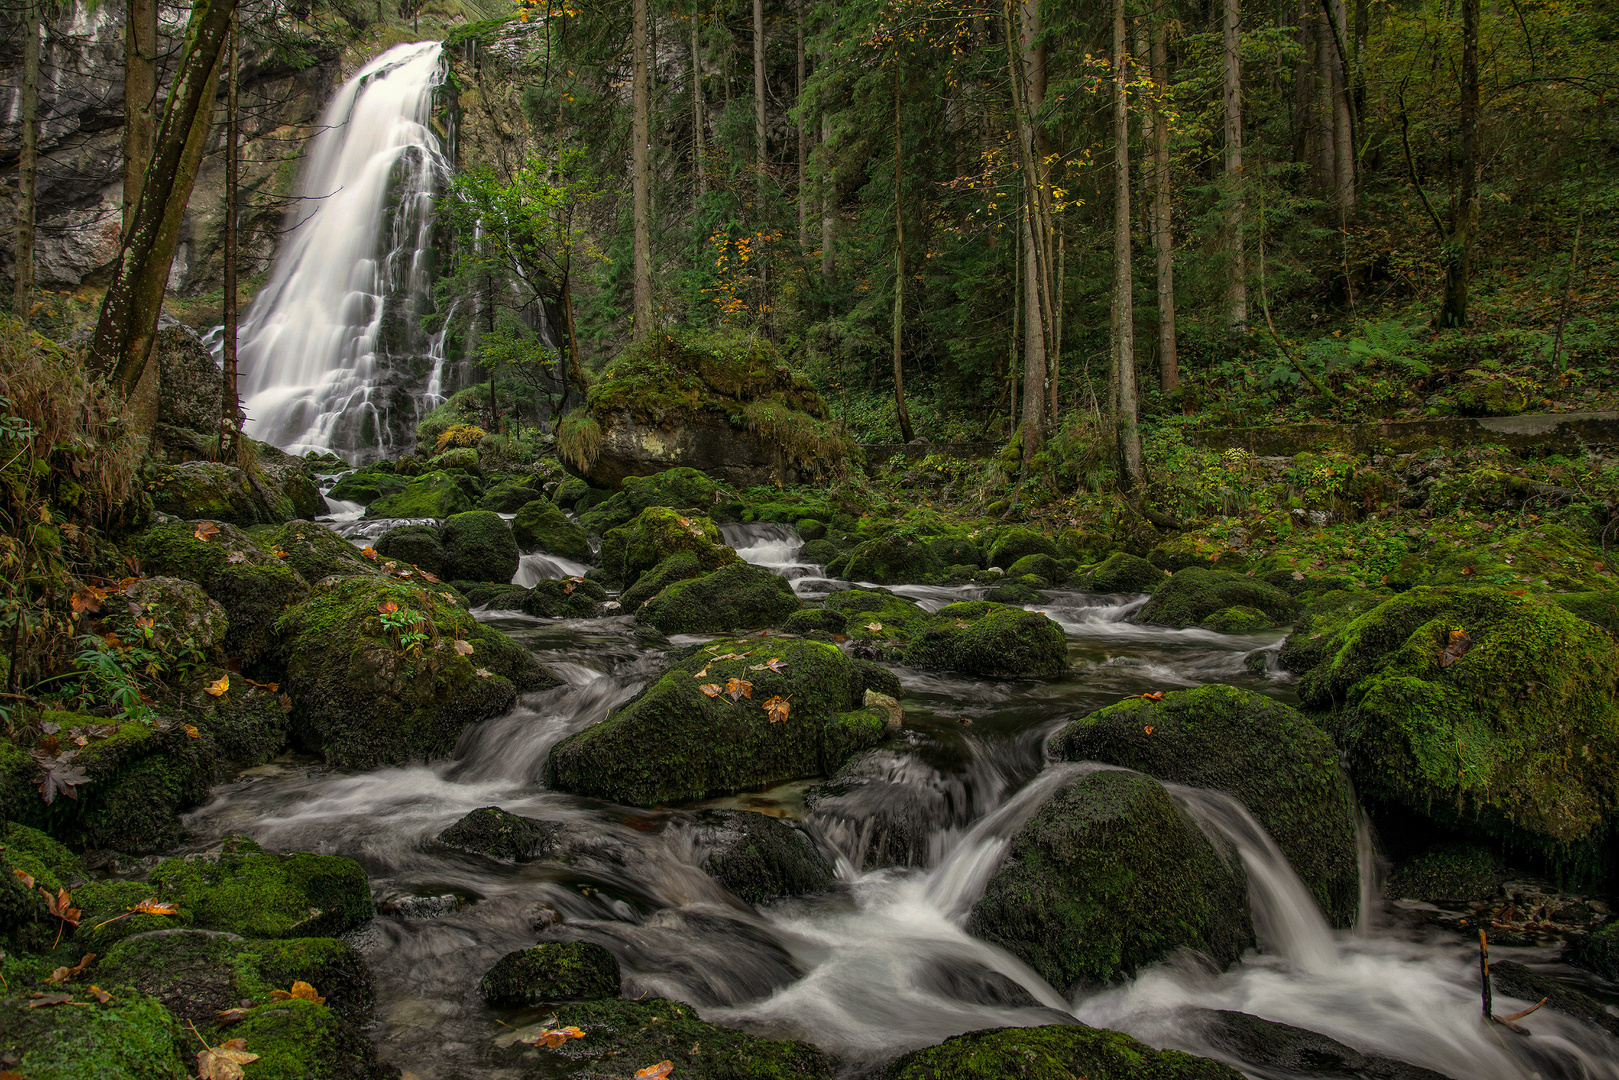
{"x": 429, "y": 578}
{"x": 191, "y": 731}
{"x": 655, "y": 1072}
{"x": 61, "y": 906}
{"x": 737, "y": 689}
{"x": 89, "y": 599}
{"x": 26, "y": 878}
{"x": 463, "y": 647}
{"x": 1156, "y": 695}
{"x": 100, "y": 994}
{"x": 301, "y": 991}
{"x": 370, "y": 553}
{"x": 1467, "y": 570}
{"x": 153, "y": 906}
{"x": 712, "y": 689}
{"x": 218, "y": 687}
{"x": 280, "y": 553}
{"x": 777, "y": 709}
{"x": 204, "y": 530}
{"x": 226, "y": 1017}
{"x": 63, "y": 974}
{"x": 224, "y": 1062}
{"x": 554, "y": 1037}
{"x": 1147, "y": 729}
{"x": 387, "y": 607}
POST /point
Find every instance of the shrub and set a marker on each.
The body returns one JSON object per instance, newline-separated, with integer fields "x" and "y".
{"x": 457, "y": 436}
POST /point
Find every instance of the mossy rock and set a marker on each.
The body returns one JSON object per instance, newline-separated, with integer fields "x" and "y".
{"x": 541, "y": 526}
{"x": 252, "y": 585}
{"x": 1464, "y": 872}
{"x": 300, "y": 1040}
{"x": 366, "y": 485}
{"x": 431, "y": 495}
{"x": 894, "y": 616}
{"x": 421, "y": 546}
{"x": 1194, "y": 594}
{"x": 479, "y": 546}
{"x": 1108, "y": 876}
{"x": 204, "y": 489}
{"x": 657, "y": 533}
{"x": 1048, "y": 570}
{"x": 569, "y": 492}
{"x": 1270, "y": 757}
{"x": 815, "y": 620}
{"x": 247, "y": 724}
{"x": 508, "y": 497}
{"x": 1508, "y": 728}
{"x": 1273, "y": 1049}
{"x": 681, "y": 567}
{"x": 1313, "y": 637}
{"x": 199, "y": 973}
{"x": 900, "y": 558}
{"x": 675, "y": 743}
{"x": 498, "y": 654}
{"x": 759, "y": 858}
{"x": 819, "y": 552}
{"x": 628, "y": 1035}
{"x": 1055, "y": 1052}
{"x": 734, "y": 597}
{"x": 551, "y": 973}
{"x": 457, "y": 459}
{"x": 1598, "y": 951}
{"x": 1237, "y": 620}
{"x": 492, "y": 832}
{"x": 185, "y": 621}
{"x": 315, "y": 551}
{"x": 1014, "y": 544}
{"x": 362, "y": 696}
{"x": 955, "y": 551}
{"x": 677, "y": 488}
{"x": 992, "y": 641}
{"x": 1597, "y": 608}
{"x": 24, "y": 920}
{"x": 132, "y": 1037}
{"x": 564, "y": 598}
{"x": 1514, "y": 979}
{"x": 810, "y": 529}
{"x": 1120, "y": 572}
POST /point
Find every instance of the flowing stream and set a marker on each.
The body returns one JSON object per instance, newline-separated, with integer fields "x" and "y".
{"x": 333, "y": 356}
{"x": 880, "y": 964}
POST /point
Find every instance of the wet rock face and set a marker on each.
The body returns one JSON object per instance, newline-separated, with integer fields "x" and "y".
{"x": 551, "y": 973}
{"x": 1052, "y": 1053}
{"x": 493, "y": 832}
{"x": 1294, "y": 1051}
{"x": 132, "y": 1038}
{"x": 758, "y": 858}
{"x": 631, "y": 448}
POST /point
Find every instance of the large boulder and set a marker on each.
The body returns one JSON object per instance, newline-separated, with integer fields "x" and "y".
{"x": 883, "y": 808}
{"x": 492, "y": 832}
{"x": 657, "y": 533}
{"x": 272, "y": 489}
{"x": 130, "y": 1037}
{"x": 899, "y": 558}
{"x": 682, "y": 566}
{"x": 1270, "y": 757}
{"x": 992, "y": 641}
{"x": 678, "y": 489}
{"x": 877, "y": 614}
{"x": 1056, "y": 1052}
{"x": 478, "y": 546}
{"x": 1015, "y": 544}
{"x": 551, "y": 973}
{"x": 1199, "y": 597}
{"x": 435, "y": 494}
{"x": 508, "y": 496}
{"x": 1282, "y": 1049}
{"x": 1481, "y": 710}
{"x": 368, "y": 484}
{"x": 315, "y": 551}
{"x": 1108, "y": 876}
{"x": 734, "y": 597}
{"x": 172, "y": 617}
{"x": 421, "y": 546}
{"x": 1120, "y": 572}
{"x": 758, "y": 858}
{"x": 675, "y": 742}
{"x": 541, "y": 525}
{"x": 379, "y": 672}
{"x": 303, "y": 1040}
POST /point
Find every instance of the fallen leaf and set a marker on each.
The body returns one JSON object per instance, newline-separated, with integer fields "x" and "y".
{"x": 1457, "y": 645}
{"x": 153, "y": 906}
{"x": 703, "y": 674}
{"x": 777, "y": 709}
{"x": 1298, "y": 575}
{"x": 226, "y": 1017}
{"x": 1467, "y": 570}
{"x": 218, "y": 687}
{"x": 483, "y": 673}
{"x": 301, "y": 991}
{"x": 463, "y": 647}
{"x": 874, "y": 627}
{"x": 712, "y": 689}
{"x": 100, "y": 994}
{"x": 280, "y": 554}
{"x": 655, "y": 1072}
{"x": 26, "y": 878}
{"x": 370, "y": 553}
{"x": 63, "y": 974}
{"x": 41, "y": 1001}
{"x": 224, "y": 1062}
{"x": 61, "y": 906}
{"x": 89, "y": 599}
{"x": 235, "y": 557}
{"x": 554, "y": 1037}
{"x": 739, "y": 689}
{"x": 567, "y": 589}
{"x": 429, "y": 578}
{"x": 192, "y": 732}
{"x": 387, "y": 607}
{"x": 1156, "y": 695}
{"x": 964, "y": 720}
{"x": 775, "y": 664}
{"x": 204, "y": 530}
{"x": 1147, "y": 729}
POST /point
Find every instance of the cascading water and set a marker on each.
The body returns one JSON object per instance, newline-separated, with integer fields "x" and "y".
{"x": 332, "y": 353}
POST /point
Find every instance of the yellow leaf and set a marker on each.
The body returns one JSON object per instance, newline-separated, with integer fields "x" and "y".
{"x": 777, "y": 709}
{"x": 463, "y": 647}
{"x": 204, "y": 530}
{"x": 153, "y": 906}
{"x": 554, "y": 1037}
{"x": 874, "y": 626}
{"x": 224, "y": 1062}
{"x": 218, "y": 687}
{"x": 192, "y": 732}
{"x": 655, "y": 1072}
{"x": 738, "y": 689}
{"x": 301, "y": 991}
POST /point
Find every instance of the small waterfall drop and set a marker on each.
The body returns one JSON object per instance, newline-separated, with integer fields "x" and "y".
{"x": 333, "y": 355}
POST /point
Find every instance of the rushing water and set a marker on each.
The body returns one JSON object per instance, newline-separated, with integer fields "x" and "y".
{"x": 333, "y": 356}
{"x": 879, "y": 964}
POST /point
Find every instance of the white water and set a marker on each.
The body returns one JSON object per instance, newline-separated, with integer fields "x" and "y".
{"x": 538, "y": 566}
{"x": 331, "y": 346}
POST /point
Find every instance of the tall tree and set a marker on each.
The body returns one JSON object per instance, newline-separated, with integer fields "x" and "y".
{"x": 829, "y": 199}
{"x": 140, "y": 99}
{"x": 1027, "y": 71}
{"x": 1124, "y": 355}
{"x": 641, "y": 177}
{"x": 1458, "y": 249}
{"x": 1231, "y": 68}
{"x": 803, "y": 138}
{"x": 761, "y": 151}
{"x": 127, "y": 325}
{"x": 906, "y": 434}
{"x": 230, "y": 418}
{"x": 22, "y": 301}
{"x": 1343, "y": 124}
{"x": 1163, "y": 236}
{"x": 699, "y": 122}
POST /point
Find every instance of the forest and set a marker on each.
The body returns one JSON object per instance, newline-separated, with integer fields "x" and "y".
{"x": 720, "y": 540}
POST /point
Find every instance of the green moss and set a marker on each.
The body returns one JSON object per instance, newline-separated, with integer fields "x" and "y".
{"x": 420, "y": 546}
{"x": 675, "y": 743}
{"x": 1464, "y": 872}
{"x": 1597, "y": 608}
{"x": 479, "y": 546}
{"x": 130, "y": 1038}
{"x": 1599, "y": 951}
{"x": 681, "y": 567}
{"x": 815, "y": 620}
{"x": 495, "y": 652}
{"x": 899, "y": 558}
{"x": 655, "y": 534}
{"x": 247, "y": 724}
{"x": 1014, "y": 544}
{"x": 1109, "y": 876}
{"x": 316, "y": 551}
{"x": 1059, "y": 1052}
{"x": 299, "y": 1040}
{"x": 1270, "y": 757}
{"x": 894, "y": 616}
{"x": 1194, "y": 594}
{"x": 1049, "y": 570}
{"x": 493, "y": 832}
{"x": 508, "y": 497}
{"x": 991, "y": 641}
{"x": 107, "y": 920}
{"x": 202, "y": 489}
{"x": 1517, "y": 738}
{"x": 1545, "y": 557}
{"x": 1237, "y": 620}
{"x": 569, "y": 492}
{"x": 759, "y": 858}
{"x": 541, "y": 526}
{"x": 734, "y": 597}
{"x": 363, "y": 696}
{"x": 1120, "y": 572}
{"x": 551, "y": 973}
{"x": 432, "y": 495}
{"x": 558, "y": 598}
{"x": 24, "y": 920}
{"x": 627, "y": 1035}
{"x": 365, "y": 486}
{"x": 261, "y": 895}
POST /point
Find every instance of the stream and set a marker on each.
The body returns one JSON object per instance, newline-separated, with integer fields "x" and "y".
{"x": 880, "y": 964}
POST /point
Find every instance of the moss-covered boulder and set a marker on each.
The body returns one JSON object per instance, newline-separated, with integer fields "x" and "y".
{"x": 541, "y": 526}
{"x": 1238, "y": 620}
{"x": 680, "y": 489}
{"x": 435, "y": 494}
{"x": 1108, "y": 876}
{"x": 493, "y": 832}
{"x": 758, "y": 858}
{"x": 366, "y": 485}
{"x": 25, "y": 922}
{"x": 277, "y": 491}
{"x": 877, "y": 614}
{"x": 1269, "y": 756}
{"x": 734, "y": 597}
{"x": 656, "y": 534}
{"x": 1120, "y": 572}
{"x": 1478, "y": 709}
{"x": 1598, "y": 951}
{"x": 315, "y": 551}
{"x": 1014, "y": 544}
{"x": 300, "y": 1040}
{"x": 676, "y": 742}
{"x": 508, "y": 496}
{"x": 131, "y": 1037}
{"x": 245, "y": 890}
{"x": 478, "y": 546}
{"x": 1449, "y": 872}
{"x": 551, "y": 973}
{"x": 569, "y": 492}
{"x": 251, "y": 584}
{"x": 1048, "y": 570}
{"x": 376, "y": 676}
{"x": 1599, "y": 608}
{"x": 814, "y": 621}
{"x": 992, "y": 641}
{"x": 628, "y": 1035}
{"x": 1057, "y": 1052}
{"x": 563, "y": 598}
{"x": 421, "y": 546}
{"x": 1194, "y": 594}
{"x": 246, "y": 724}
{"x": 900, "y": 558}
{"x": 173, "y": 617}
{"x": 681, "y": 567}
{"x": 199, "y": 973}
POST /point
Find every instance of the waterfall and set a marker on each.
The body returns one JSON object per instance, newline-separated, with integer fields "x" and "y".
{"x": 333, "y": 355}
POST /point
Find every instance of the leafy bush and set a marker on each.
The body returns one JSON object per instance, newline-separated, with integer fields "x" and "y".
{"x": 457, "y": 436}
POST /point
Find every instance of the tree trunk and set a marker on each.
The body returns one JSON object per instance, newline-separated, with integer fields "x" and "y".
{"x": 1237, "y": 295}
{"x": 1124, "y": 355}
{"x": 906, "y": 435}
{"x": 699, "y": 122}
{"x": 22, "y": 301}
{"x": 759, "y": 148}
{"x": 1163, "y": 237}
{"x": 230, "y": 412}
{"x": 140, "y": 99}
{"x": 129, "y": 311}
{"x": 641, "y": 179}
{"x": 803, "y": 140}
{"x": 1343, "y": 124}
{"x": 1034, "y": 350}
{"x": 1326, "y": 112}
{"x": 829, "y": 199}
{"x": 1027, "y": 69}
{"x": 1458, "y": 251}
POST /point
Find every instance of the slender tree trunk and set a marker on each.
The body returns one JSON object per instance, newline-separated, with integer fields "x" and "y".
{"x": 1458, "y": 253}
{"x": 129, "y": 311}
{"x": 906, "y": 434}
{"x": 829, "y": 199}
{"x": 1034, "y": 349}
{"x": 699, "y": 122}
{"x": 641, "y": 179}
{"x": 1163, "y": 236}
{"x": 1326, "y": 111}
{"x": 1027, "y": 70}
{"x": 761, "y": 151}
{"x": 1343, "y": 125}
{"x": 803, "y": 140}
{"x": 22, "y": 300}
{"x": 1124, "y": 355}
{"x": 140, "y": 98}
{"x": 230, "y": 416}
{"x": 1237, "y": 295}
